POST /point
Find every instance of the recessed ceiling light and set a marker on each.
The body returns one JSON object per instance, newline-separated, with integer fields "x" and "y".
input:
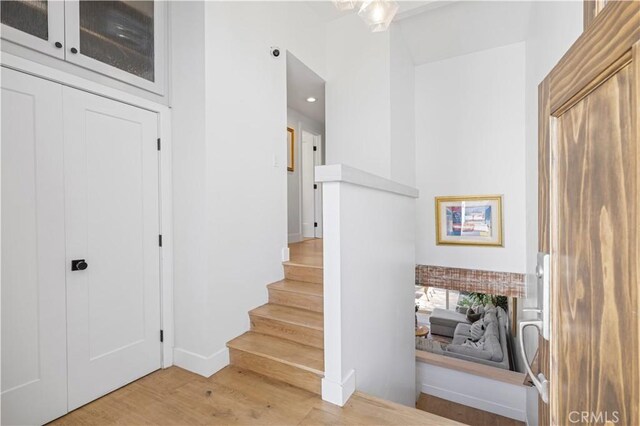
{"x": 311, "y": 99}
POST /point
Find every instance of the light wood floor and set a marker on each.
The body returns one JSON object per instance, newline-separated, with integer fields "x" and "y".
{"x": 234, "y": 396}
{"x": 307, "y": 252}
{"x": 462, "y": 413}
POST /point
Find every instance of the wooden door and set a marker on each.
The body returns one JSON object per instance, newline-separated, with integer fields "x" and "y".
{"x": 34, "y": 352}
{"x": 589, "y": 222}
{"x": 112, "y": 223}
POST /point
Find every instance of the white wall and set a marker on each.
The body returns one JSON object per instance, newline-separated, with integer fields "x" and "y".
{"x": 230, "y": 180}
{"x": 553, "y": 27}
{"x": 402, "y": 112}
{"x": 370, "y": 87}
{"x": 299, "y": 122}
{"x": 358, "y": 102}
{"x": 485, "y": 394}
{"x": 189, "y": 177}
{"x": 470, "y": 139}
{"x": 368, "y": 287}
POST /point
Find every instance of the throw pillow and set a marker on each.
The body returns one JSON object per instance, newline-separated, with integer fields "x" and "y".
{"x": 474, "y": 345}
{"x": 477, "y": 330}
{"x": 473, "y": 316}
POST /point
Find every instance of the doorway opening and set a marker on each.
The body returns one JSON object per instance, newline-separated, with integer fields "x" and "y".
{"x": 305, "y": 150}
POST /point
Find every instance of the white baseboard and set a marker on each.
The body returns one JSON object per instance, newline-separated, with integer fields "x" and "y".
{"x": 285, "y": 254}
{"x": 196, "y": 363}
{"x": 339, "y": 393}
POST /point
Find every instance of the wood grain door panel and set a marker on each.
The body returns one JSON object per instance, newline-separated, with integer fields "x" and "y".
{"x": 589, "y": 214}
{"x": 594, "y": 254}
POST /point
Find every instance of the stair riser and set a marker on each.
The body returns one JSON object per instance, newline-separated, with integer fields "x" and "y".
{"x": 303, "y": 273}
{"x": 276, "y": 370}
{"x": 296, "y": 300}
{"x": 284, "y": 330}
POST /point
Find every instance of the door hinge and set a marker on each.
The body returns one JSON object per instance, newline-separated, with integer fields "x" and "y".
{"x": 315, "y": 224}
{"x": 315, "y": 148}
{"x": 315, "y": 186}
{"x": 160, "y": 240}
{"x": 158, "y": 144}
{"x": 161, "y": 335}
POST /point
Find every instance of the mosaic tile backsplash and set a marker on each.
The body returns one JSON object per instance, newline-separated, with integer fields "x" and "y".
{"x": 509, "y": 284}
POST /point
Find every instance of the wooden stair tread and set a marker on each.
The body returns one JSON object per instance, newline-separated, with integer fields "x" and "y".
{"x": 305, "y": 265}
{"x": 285, "y": 351}
{"x": 301, "y": 317}
{"x": 303, "y": 287}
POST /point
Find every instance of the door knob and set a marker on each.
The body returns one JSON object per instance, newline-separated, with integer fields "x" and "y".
{"x": 79, "y": 265}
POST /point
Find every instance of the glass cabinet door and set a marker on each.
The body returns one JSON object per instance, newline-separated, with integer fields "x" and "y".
{"x": 37, "y": 24}
{"x": 122, "y": 39}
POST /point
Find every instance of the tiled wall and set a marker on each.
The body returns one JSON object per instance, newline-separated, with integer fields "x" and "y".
{"x": 472, "y": 280}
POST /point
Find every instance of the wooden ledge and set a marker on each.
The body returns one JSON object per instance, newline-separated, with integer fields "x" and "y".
{"x": 493, "y": 373}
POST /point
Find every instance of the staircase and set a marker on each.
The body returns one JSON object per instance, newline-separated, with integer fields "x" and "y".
{"x": 286, "y": 338}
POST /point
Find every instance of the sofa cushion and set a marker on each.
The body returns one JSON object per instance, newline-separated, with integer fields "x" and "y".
{"x": 447, "y": 318}
{"x": 462, "y": 329}
{"x": 476, "y": 330}
{"x": 471, "y": 352}
{"x": 492, "y": 329}
{"x": 502, "y": 315}
{"x": 475, "y": 345}
{"x": 459, "y": 339}
{"x": 490, "y": 317}
{"x": 493, "y": 347}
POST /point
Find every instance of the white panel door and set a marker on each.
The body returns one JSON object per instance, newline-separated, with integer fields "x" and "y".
{"x": 308, "y": 196}
{"x": 34, "y": 362}
{"x": 317, "y": 161}
{"x": 112, "y": 219}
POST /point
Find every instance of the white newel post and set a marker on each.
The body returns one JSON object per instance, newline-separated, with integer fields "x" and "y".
{"x": 369, "y": 261}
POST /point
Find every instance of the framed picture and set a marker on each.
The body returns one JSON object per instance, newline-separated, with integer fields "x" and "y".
{"x": 474, "y": 220}
{"x": 291, "y": 143}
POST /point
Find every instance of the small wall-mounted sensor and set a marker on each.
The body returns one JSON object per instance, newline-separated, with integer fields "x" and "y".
{"x": 275, "y": 52}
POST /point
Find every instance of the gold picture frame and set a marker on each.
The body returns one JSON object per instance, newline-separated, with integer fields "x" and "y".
{"x": 472, "y": 220}
{"x": 291, "y": 144}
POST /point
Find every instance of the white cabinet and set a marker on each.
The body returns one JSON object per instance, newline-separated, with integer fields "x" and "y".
{"x": 37, "y": 24}
{"x": 124, "y": 40}
{"x": 70, "y": 335}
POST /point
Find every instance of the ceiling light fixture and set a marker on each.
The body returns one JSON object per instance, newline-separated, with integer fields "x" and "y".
{"x": 311, "y": 99}
{"x": 343, "y": 5}
{"x": 378, "y": 14}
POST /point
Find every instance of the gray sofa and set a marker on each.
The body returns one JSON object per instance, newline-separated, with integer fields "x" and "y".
{"x": 444, "y": 321}
{"x": 493, "y": 347}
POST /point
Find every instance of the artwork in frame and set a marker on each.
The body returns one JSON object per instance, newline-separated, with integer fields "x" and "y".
{"x": 291, "y": 143}
{"x": 474, "y": 220}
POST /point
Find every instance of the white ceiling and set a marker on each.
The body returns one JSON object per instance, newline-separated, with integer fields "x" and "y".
{"x": 303, "y": 83}
{"x": 327, "y": 11}
{"x": 463, "y": 27}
